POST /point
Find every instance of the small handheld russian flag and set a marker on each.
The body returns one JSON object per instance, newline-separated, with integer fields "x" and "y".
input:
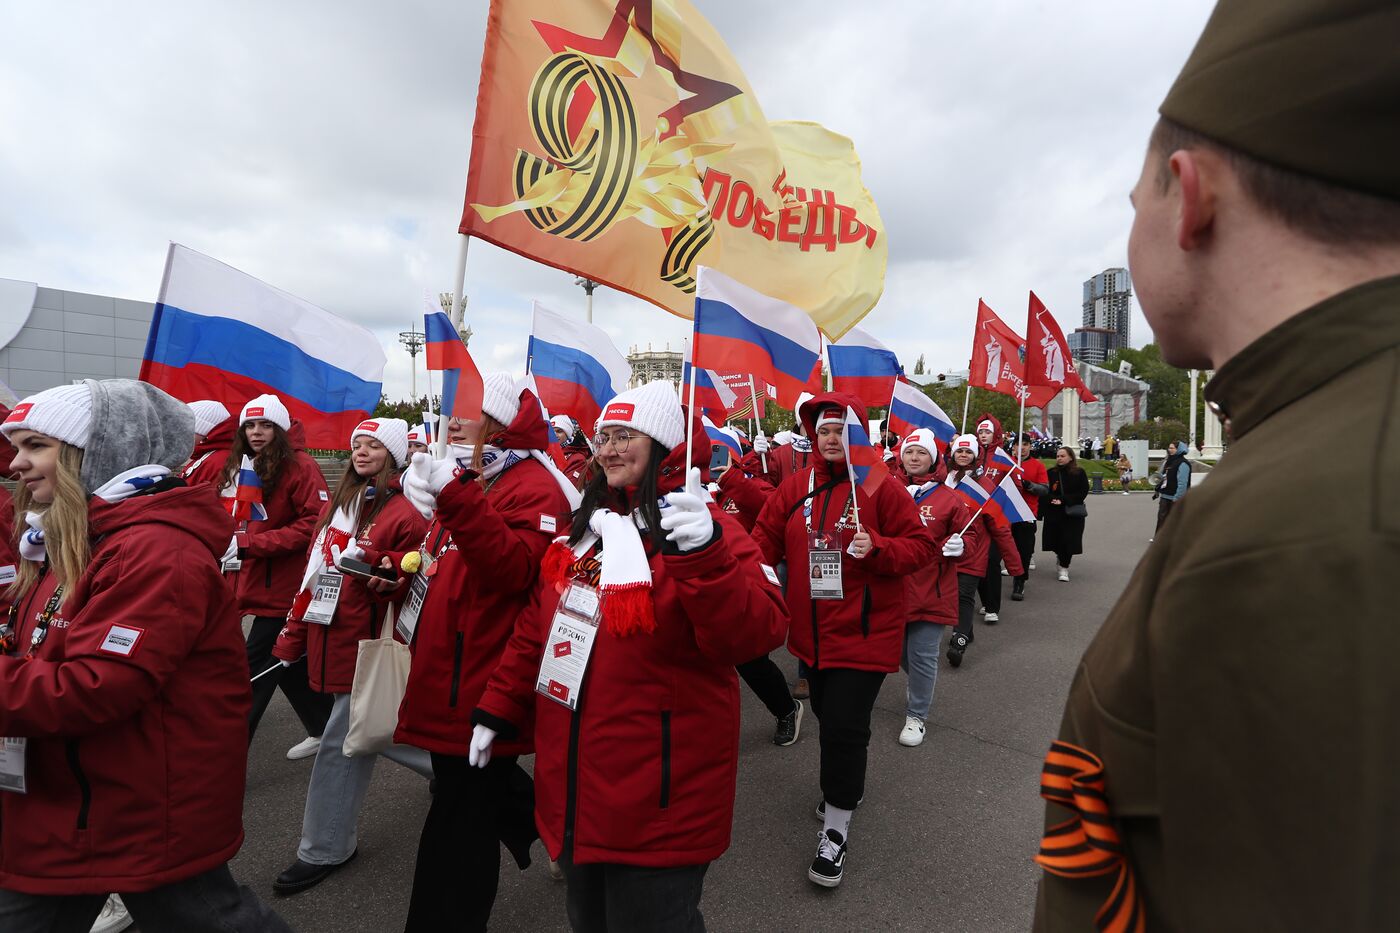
{"x": 462, "y": 387}
{"x": 722, "y": 438}
{"x": 864, "y": 460}
{"x": 1004, "y": 460}
{"x": 246, "y": 504}
{"x": 1011, "y": 502}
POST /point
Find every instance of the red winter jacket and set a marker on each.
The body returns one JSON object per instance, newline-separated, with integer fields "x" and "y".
{"x": 483, "y": 585}
{"x": 977, "y": 540}
{"x": 9, "y": 553}
{"x": 865, "y": 629}
{"x": 931, "y": 592}
{"x": 331, "y": 650}
{"x": 576, "y": 461}
{"x": 135, "y": 706}
{"x": 989, "y": 466}
{"x": 1032, "y": 471}
{"x": 276, "y": 554}
{"x": 742, "y": 496}
{"x": 644, "y": 772}
{"x": 206, "y": 463}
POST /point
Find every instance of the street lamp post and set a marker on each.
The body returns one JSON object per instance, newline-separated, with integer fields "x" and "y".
{"x": 412, "y": 340}
{"x": 587, "y": 285}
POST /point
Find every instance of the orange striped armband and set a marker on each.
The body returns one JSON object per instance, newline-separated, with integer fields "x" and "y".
{"x": 1087, "y": 845}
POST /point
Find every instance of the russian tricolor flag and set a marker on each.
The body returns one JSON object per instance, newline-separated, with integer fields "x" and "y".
{"x": 1011, "y": 503}
{"x": 576, "y": 368}
{"x": 722, "y": 438}
{"x": 864, "y": 367}
{"x": 864, "y": 460}
{"x": 911, "y": 409}
{"x": 712, "y": 394}
{"x": 221, "y": 334}
{"x": 462, "y": 387}
{"x": 246, "y": 504}
{"x": 741, "y": 330}
{"x": 1004, "y": 460}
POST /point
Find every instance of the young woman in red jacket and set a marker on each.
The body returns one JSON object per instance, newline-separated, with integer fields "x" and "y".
{"x": 625, "y": 661}
{"x": 122, "y": 666}
{"x": 477, "y": 568}
{"x": 367, "y": 520}
{"x": 848, "y": 622}
{"x": 214, "y": 430}
{"x": 931, "y": 592}
{"x": 977, "y": 541}
{"x": 265, "y": 560}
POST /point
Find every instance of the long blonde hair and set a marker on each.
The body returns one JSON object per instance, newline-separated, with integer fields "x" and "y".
{"x": 65, "y": 527}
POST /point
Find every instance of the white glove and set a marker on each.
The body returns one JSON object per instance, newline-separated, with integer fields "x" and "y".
{"x": 232, "y": 551}
{"x": 712, "y": 488}
{"x": 479, "y": 752}
{"x": 953, "y": 547}
{"x": 424, "y": 479}
{"x": 760, "y": 444}
{"x": 352, "y": 551}
{"x": 686, "y": 514}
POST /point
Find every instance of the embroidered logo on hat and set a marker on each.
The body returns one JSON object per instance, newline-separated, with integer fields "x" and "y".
{"x": 20, "y": 413}
{"x": 255, "y": 413}
{"x": 622, "y": 411}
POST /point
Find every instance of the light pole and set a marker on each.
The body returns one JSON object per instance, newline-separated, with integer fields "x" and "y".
{"x": 463, "y": 331}
{"x": 587, "y": 285}
{"x": 412, "y": 340}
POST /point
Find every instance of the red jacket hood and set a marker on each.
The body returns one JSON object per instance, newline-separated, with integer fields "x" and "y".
{"x": 997, "y": 436}
{"x": 194, "y": 509}
{"x": 220, "y": 437}
{"x": 528, "y": 431}
{"x": 296, "y": 435}
{"x": 7, "y": 450}
{"x": 809, "y": 410}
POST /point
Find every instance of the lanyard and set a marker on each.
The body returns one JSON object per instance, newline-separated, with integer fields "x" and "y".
{"x": 811, "y": 494}
{"x": 9, "y": 631}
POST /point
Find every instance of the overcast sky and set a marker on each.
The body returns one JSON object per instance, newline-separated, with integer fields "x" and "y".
{"x": 323, "y": 147}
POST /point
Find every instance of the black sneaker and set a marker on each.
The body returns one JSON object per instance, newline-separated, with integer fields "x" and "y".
{"x": 830, "y": 862}
{"x": 1018, "y": 592}
{"x": 956, "y": 649}
{"x": 789, "y": 726}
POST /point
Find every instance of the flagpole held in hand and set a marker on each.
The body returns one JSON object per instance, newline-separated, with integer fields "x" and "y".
{"x": 757, "y": 428}
{"x": 690, "y": 419}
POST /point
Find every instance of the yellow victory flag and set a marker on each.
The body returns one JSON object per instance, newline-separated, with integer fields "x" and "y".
{"x": 619, "y": 140}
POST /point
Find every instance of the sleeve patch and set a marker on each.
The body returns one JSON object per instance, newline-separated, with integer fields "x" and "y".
{"x": 548, "y": 524}
{"x": 121, "y": 640}
{"x": 771, "y": 574}
{"x": 325, "y": 496}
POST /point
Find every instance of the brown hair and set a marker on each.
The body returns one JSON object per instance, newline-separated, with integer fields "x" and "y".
{"x": 351, "y": 489}
{"x": 1073, "y": 465}
{"x": 65, "y": 527}
{"x": 489, "y": 427}
{"x": 1320, "y": 210}
{"x": 267, "y": 463}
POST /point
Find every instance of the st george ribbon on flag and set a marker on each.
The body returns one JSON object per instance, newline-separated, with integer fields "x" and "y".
{"x": 222, "y": 334}
{"x": 864, "y": 367}
{"x": 739, "y": 329}
{"x": 575, "y": 366}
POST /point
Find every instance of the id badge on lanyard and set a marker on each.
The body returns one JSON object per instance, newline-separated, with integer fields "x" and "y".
{"x": 407, "y": 622}
{"x": 824, "y": 565}
{"x": 324, "y": 597}
{"x": 566, "y": 651}
{"x": 12, "y": 765}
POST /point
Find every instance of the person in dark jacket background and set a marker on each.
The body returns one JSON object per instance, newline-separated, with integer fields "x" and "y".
{"x": 1176, "y": 479}
{"x": 1063, "y": 508}
{"x": 122, "y": 673}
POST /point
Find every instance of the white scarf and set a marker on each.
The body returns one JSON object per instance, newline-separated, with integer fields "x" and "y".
{"x": 495, "y": 461}
{"x": 123, "y": 485}
{"x": 625, "y": 578}
{"x": 340, "y": 532}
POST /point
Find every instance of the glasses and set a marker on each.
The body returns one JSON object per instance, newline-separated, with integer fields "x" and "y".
{"x": 619, "y": 441}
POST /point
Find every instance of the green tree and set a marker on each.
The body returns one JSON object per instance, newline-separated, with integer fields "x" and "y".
{"x": 410, "y": 410}
{"x": 919, "y": 365}
{"x": 1170, "y": 396}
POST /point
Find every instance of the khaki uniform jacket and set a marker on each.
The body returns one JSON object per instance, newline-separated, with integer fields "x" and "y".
{"x": 1244, "y": 693}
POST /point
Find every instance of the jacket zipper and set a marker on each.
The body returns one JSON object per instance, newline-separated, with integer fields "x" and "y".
{"x": 665, "y": 758}
{"x": 456, "y": 670}
{"x": 571, "y": 791}
{"x": 816, "y": 641}
{"x": 84, "y": 788}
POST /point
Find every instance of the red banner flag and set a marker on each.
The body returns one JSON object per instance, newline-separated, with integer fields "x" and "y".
{"x": 1048, "y": 362}
{"x": 996, "y": 360}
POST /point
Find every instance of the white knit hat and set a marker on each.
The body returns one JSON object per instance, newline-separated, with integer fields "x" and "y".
{"x": 418, "y": 434}
{"x": 565, "y": 424}
{"x": 964, "y": 442}
{"x": 63, "y": 413}
{"x": 986, "y": 423}
{"x": 207, "y": 414}
{"x": 831, "y": 414}
{"x": 500, "y": 397}
{"x": 652, "y": 408}
{"x": 266, "y": 408}
{"x": 391, "y": 432}
{"x": 922, "y": 437}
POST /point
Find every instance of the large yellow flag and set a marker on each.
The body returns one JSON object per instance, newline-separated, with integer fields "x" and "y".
{"x": 619, "y": 140}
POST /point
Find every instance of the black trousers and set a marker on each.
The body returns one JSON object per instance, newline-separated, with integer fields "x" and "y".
{"x": 990, "y": 587}
{"x": 1164, "y": 507}
{"x": 611, "y": 898}
{"x": 1024, "y": 535}
{"x": 843, "y": 699}
{"x": 312, "y": 708}
{"x": 766, "y": 680}
{"x": 967, "y": 602}
{"x": 474, "y": 811}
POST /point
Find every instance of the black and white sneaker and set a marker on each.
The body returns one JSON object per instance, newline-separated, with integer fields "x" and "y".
{"x": 830, "y": 862}
{"x": 789, "y": 726}
{"x": 956, "y": 648}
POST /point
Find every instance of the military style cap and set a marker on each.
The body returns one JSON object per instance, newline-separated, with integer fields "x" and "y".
{"x": 1309, "y": 85}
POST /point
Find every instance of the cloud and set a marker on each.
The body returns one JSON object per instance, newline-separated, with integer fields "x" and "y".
{"x": 323, "y": 147}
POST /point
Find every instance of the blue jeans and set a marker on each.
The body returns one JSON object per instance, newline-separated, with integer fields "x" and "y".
{"x": 923, "y": 642}
{"x": 338, "y": 787}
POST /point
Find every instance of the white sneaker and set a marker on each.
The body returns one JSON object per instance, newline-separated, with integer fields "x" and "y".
{"x": 113, "y": 917}
{"x": 1125, "y": 492}
{"x": 1003, "y": 571}
{"x": 913, "y": 732}
{"x": 1064, "y": 574}
{"x": 1032, "y": 566}
{"x": 304, "y": 749}
{"x": 982, "y": 610}
{"x": 992, "y": 618}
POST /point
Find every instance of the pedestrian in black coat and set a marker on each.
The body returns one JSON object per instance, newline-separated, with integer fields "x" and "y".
{"x": 1064, "y": 530}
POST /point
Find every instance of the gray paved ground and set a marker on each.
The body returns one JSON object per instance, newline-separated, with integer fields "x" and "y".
{"x": 944, "y": 841}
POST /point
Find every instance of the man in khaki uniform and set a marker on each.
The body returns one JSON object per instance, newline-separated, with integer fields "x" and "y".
{"x": 1229, "y": 757}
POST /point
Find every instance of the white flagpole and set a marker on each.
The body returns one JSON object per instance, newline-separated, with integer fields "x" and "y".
{"x": 690, "y": 421}
{"x": 757, "y": 429}
{"x": 850, "y": 473}
{"x": 967, "y": 400}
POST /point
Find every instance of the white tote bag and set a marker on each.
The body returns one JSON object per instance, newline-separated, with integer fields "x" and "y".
{"x": 381, "y": 676}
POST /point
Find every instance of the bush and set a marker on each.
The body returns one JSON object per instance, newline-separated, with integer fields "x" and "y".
{"x": 1158, "y": 434}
